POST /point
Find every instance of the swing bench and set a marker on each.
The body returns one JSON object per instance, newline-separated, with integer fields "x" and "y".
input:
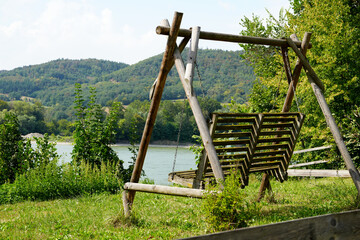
{"x": 249, "y": 143}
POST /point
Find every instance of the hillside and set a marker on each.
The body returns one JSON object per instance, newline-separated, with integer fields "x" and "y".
{"x": 223, "y": 75}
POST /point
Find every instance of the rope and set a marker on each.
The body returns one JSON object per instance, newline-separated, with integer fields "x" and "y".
{"x": 178, "y": 139}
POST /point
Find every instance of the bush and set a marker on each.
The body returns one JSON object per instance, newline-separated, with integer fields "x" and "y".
{"x": 229, "y": 208}
{"x": 55, "y": 181}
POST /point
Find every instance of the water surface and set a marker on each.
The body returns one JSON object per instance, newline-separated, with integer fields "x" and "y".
{"x": 158, "y": 161}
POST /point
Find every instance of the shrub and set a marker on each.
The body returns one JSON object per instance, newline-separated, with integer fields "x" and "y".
{"x": 229, "y": 208}
{"x": 94, "y": 133}
{"x": 55, "y": 181}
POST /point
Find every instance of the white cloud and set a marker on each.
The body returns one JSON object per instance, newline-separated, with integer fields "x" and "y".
{"x": 12, "y": 29}
{"x": 225, "y": 5}
{"x": 37, "y": 31}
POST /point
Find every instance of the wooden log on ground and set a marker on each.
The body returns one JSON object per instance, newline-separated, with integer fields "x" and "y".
{"x": 318, "y": 173}
{"x": 308, "y": 163}
{"x": 312, "y": 149}
{"x": 155, "y": 103}
{"x": 167, "y": 190}
{"x": 162, "y": 30}
{"x": 345, "y": 225}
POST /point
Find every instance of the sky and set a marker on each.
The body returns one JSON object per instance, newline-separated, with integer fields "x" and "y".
{"x": 38, "y": 31}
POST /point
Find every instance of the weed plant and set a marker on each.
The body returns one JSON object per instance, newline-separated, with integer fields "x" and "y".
{"x": 229, "y": 208}
{"x": 55, "y": 181}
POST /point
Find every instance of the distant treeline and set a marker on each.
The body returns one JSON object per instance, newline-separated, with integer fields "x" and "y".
{"x": 224, "y": 75}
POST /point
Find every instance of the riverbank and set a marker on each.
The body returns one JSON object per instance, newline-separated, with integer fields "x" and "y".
{"x": 157, "y": 144}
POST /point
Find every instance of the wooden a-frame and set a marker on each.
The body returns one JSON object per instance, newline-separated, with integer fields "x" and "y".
{"x": 172, "y": 55}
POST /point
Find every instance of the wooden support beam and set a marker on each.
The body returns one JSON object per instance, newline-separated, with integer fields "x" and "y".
{"x": 150, "y": 121}
{"x": 296, "y": 73}
{"x": 186, "y": 79}
{"x": 167, "y": 190}
{"x": 285, "y": 56}
{"x": 354, "y": 173}
{"x": 204, "y": 157}
{"x": 229, "y": 37}
{"x": 310, "y": 71}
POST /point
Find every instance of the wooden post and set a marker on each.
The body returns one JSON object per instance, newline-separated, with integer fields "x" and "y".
{"x": 293, "y": 80}
{"x": 150, "y": 121}
{"x": 316, "y": 86}
{"x": 297, "y": 70}
{"x": 354, "y": 173}
{"x": 306, "y": 64}
{"x": 186, "y": 79}
{"x": 203, "y": 164}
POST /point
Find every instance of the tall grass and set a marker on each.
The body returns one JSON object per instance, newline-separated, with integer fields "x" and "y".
{"x": 60, "y": 181}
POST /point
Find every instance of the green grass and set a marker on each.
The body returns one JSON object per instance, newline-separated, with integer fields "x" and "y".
{"x": 164, "y": 217}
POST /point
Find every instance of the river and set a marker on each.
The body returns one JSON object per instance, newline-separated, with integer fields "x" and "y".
{"x": 158, "y": 162}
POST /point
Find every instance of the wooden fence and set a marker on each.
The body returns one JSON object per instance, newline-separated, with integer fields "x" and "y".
{"x": 345, "y": 225}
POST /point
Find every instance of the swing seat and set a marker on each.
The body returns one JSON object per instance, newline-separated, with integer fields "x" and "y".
{"x": 249, "y": 143}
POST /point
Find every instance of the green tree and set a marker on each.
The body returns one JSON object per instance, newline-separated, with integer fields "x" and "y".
{"x": 93, "y": 132}
{"x": 10, "y": 149}
{"x": 334, "y": 57}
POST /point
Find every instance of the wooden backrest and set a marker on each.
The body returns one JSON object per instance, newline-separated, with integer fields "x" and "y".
{"x": 255, "y": 142}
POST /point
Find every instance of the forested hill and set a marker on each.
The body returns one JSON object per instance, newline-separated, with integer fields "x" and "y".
{"x": 223, "y": 75}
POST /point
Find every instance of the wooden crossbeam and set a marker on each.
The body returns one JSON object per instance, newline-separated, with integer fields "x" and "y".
{"x": 162, "y": 30}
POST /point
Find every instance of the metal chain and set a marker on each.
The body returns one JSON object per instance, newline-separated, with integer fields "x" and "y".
{"x": 200, "y": 80}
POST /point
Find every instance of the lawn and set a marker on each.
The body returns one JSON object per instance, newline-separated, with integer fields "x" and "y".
{"x": 165, "y": 217}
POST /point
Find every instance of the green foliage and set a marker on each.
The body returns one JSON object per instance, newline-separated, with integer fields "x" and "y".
{"x": 93, "y": 133}
{"x": 352, "y": 136}
{"x": 54, "y": 181}
{"x": 18, "y": 155}
{"x": 12, "y": 161}
{"x": 334, "y": 57}
{"x": 228, "y": 209}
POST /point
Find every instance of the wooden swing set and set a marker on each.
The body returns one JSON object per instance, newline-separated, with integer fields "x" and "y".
{"x": 254, "y": 142}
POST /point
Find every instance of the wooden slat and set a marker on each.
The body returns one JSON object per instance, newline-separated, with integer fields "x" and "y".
{"x": 278, "y": 125}
{"x": 232, "y": 149}
{"x": 274, "y": 146}
{"x": 232, "y": 156}
{"x": 233, "y": 127}
{"x": 280, "y": 119}
{"x": 266, "y": 159}
{"x": 276, "y": 132}
{"x": 270, "y": 153}
{"x": 274, "y": 139}
{"x": 231, "y": 142}
{"x": 236, "y": 120}
{"x": 232, "y": 135}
